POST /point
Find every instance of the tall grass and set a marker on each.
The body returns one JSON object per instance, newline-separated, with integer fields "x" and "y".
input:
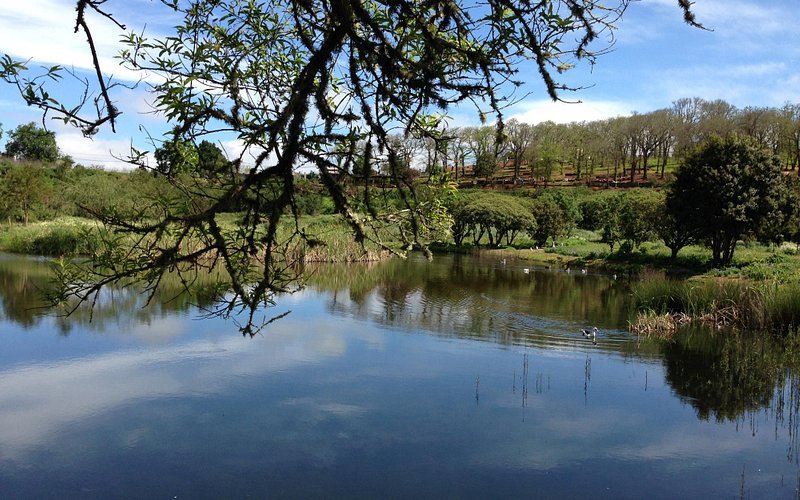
{"x": 720, "y": 302}
{"x": 334, "y": 241}
{"x": 65, "y": 236}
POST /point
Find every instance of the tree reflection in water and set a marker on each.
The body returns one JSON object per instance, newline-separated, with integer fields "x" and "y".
{"x": 24, "y": 282}
{"x": 469, "y": 297}
{"x": 738, "y": 378}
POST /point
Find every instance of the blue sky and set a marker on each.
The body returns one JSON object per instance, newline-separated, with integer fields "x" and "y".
{"x": 751, "y": 58}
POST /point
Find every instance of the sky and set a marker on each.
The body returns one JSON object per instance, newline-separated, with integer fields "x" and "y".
{"x": 750, "y": 56}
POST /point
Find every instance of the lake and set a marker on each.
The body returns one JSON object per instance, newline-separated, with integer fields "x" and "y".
{"x": 457, "y": 378}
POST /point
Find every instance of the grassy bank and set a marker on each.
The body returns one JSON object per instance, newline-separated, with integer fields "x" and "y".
{"x": 665, "y": 304}
{"x": 759, "y": 291}
{"x": 75, "y": 236}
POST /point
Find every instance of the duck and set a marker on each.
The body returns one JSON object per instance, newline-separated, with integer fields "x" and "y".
{"x": 590, "y": 334}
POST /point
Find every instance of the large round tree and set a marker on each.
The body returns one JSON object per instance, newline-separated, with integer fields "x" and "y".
{"x": 29, "y": 142}
{"x": 725, "y": 190}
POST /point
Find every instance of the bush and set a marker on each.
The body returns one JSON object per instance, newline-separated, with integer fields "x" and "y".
{"x": 498, "y": 217}
{"x": 556, "y": 216}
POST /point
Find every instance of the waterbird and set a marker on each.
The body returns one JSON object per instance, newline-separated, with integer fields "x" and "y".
{"x": 583, "y": 271}
{"x": 526, "y": 270}
{"x": 590, "y": 334}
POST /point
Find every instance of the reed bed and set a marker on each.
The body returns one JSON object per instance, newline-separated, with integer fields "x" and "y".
{"x": 65, "y": 236}
{"x": 659, "y": 326}
{"x": 664, "y": 304}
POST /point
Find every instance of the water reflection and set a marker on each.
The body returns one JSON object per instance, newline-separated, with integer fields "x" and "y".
{"x": 736, "y": 377}
{"x": 39, "y": 399}
{"x": 376, "y": 386}
{"x": 468, "y": 297}
{"x": 24, "y": 282}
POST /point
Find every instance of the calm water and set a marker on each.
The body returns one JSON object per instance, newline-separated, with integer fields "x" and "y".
{"x": 460, "y": 378}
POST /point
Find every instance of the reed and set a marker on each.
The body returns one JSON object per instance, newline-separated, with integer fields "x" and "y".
{"x": 66, "y": 236}
{"x": 663, "y": 304}
{"x": 659, "y": 326}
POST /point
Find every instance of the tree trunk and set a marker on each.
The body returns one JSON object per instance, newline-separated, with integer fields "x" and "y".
{"x": 645, "y": 160}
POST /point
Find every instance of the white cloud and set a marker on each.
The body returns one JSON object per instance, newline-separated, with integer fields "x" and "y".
{"x": 89, "y": 152}
{"x": 744, "y": 18}
{"x": 43, "y": 30}
{"x": 767, "y": 83}
{"x": 542, "y": 110}
{"x": 739, "y": 18}
{"x": 786, "y": 89}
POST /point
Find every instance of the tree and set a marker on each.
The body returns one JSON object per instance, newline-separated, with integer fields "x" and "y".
{"x": 30, "y": 142}
{"x": 790, "y": 134}
{"x": 790, "y": 211}
{"x": 675, "y": 231}
{"x": 483, "y": 147}
{"x": 210, "y": 160}
{"x": 552, "y": 220}
{"x": 726, "y": 190}
{"x": 498, "y": 217}
{"x": 608, "y": 217}
{"x": 22, "y": 187}
{"x": 176, "y": 157}
{"x": 298, "y": 83}
{"x": 548, "y": 150}
{"x": 457, "y": 145}
{"x": 519, "y": 139}
{"x": 636, "y": 211}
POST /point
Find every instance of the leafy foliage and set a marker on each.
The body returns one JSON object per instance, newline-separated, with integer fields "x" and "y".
{"x": 556, "y": 216}
{"x": 176, "y": 157}
{"x": 30, "y": 142}
{"x": 210, "y": 160}
{"x": 22, "y": 187}
{"x": 725, "y": 191}
{"x": 498, "y": 217}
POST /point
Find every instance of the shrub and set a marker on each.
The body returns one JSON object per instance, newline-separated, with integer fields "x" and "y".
{"x": 498, "y": 217}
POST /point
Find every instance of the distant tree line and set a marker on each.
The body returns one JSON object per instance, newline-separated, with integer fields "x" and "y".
{"x": 642, "y": 144}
